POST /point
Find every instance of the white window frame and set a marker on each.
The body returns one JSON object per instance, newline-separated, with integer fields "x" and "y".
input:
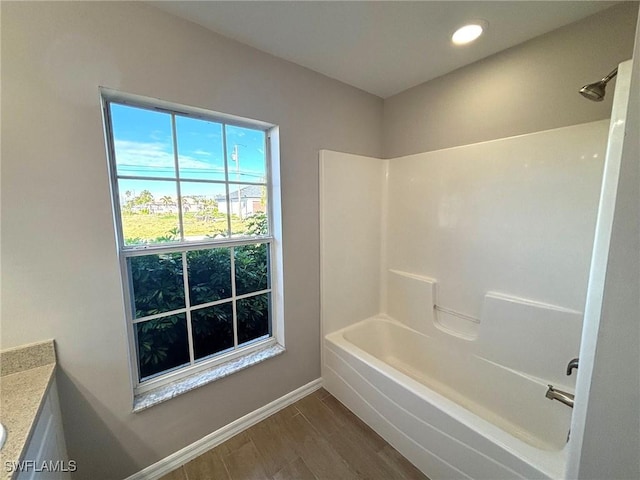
{"x": 273, "y": 240}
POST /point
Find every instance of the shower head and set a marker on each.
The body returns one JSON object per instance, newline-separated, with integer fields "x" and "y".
{"x": 595, "y": 91}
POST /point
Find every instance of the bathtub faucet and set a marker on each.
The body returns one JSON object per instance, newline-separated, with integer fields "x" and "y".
{"x": 563, "y": 397}
{"x": 572, "y": 364}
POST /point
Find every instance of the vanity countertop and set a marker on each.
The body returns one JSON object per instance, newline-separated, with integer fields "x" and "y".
{"x": 26, "y": 373}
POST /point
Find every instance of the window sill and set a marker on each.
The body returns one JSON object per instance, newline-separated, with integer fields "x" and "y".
{"x": 168, "y": 391}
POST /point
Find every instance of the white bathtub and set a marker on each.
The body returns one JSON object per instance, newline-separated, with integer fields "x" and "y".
{"x": 453, "y": 414}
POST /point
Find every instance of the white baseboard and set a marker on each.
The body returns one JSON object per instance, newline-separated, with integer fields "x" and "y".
{"x": 207, "y": 442}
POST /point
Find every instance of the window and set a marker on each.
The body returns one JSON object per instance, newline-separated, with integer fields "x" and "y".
{"x": 193, "y": 207}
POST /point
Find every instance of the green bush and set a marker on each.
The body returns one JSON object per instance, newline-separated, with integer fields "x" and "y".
{"x": 157, "y": 287}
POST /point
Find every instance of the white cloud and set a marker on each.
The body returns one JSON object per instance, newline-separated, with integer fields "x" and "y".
{"x": 153, "y": 155}
{"x": 202, "y": 153}
{"x": 148, "y": 154}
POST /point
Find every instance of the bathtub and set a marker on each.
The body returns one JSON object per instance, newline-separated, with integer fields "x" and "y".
{"x": 452, "y": 413}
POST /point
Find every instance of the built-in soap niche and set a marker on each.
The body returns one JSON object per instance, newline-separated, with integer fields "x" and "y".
{"x": 456, "y": 323}
{"x": 412, "y": 300}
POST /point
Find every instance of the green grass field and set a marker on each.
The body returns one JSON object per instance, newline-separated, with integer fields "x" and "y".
{"x": 151, "y": 226}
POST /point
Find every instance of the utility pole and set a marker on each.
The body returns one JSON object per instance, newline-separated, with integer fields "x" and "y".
{"x": 236, "y": 158}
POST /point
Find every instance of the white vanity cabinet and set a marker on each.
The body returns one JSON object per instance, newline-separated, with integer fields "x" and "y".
{"x": 46, "y": 452}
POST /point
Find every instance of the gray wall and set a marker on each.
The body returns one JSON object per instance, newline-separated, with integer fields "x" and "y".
{"x": 527, "y": 88}
{"x": 60, "y": 276}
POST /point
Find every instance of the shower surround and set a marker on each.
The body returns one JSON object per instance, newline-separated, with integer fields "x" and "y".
{"x": 453, "y": 290}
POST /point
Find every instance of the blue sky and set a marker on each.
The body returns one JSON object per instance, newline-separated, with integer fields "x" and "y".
{"x": 144, "y": 147}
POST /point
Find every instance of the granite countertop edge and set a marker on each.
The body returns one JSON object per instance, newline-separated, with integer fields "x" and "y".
{"x": 20, "y": 426}
{"x": 22, "y": 398}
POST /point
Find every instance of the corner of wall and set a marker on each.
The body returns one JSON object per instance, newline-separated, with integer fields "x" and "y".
{"x": 351, "y": 203}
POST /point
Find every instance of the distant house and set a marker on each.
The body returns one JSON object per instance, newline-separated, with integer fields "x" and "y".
{"x": 244, "y": 201}
{"x": 154, "y": 207}
{"x": 157, "y": 208}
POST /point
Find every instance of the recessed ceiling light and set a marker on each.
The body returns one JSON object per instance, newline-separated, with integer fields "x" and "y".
{"x": 468, "y": 33}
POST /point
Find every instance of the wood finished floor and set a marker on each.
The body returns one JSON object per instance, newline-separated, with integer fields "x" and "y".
{"x": 315, "y": 438}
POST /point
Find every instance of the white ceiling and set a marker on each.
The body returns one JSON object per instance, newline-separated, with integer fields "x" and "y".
{"x": 380, "y": 47}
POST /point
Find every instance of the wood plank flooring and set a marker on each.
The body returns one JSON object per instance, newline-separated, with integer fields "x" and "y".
{"x": 316, "y": 438}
